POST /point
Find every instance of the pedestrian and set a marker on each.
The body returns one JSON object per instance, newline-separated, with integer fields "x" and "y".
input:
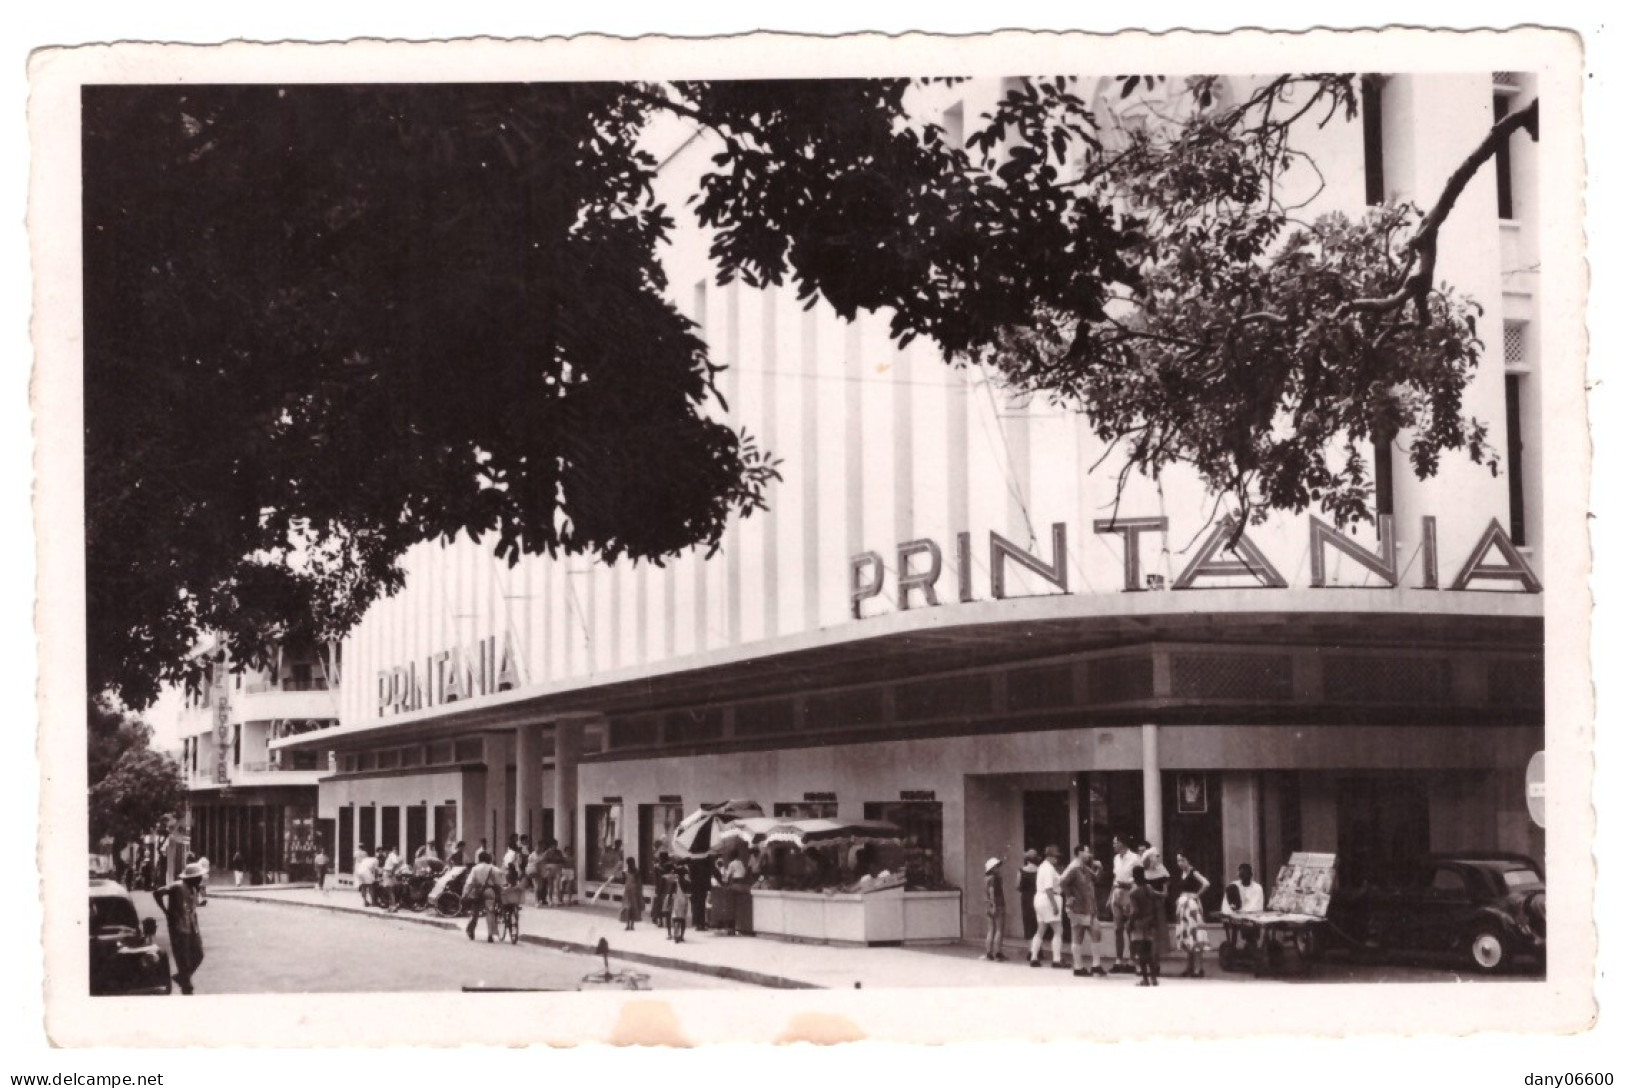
{"x": 1189, "y": 922}
{"x": 178, "y": 901}
{"x": 567, "y": 876}
{"x": 457, "y": 857}
{"x": 237, "y": 868}
{"x": 699, "y": 883}
{"x": 388, "y": 862}
{"x": 1047, "y": 908}
{"x": 480, "y": 895}
{"x": 321, "y": 870}
{"x": 510, "y": 859}
{"x": 1124, "y": 861}
{"x": 1026, "y": 888}
{"x": 679, "y": 913}
{"x": 733, "y": 878}
{"x": 552, "y": 864}
{"x": 203, "y": 887}
{"x": 657, "y": 906}
{"x": 1157, "y": 878}
{"x": 1142, "y": 924}
{"x": 1078, "y": 894}
{"x": 366, "y": 875}
{"x": 994, "y": 895}
{"x": 631, "y": 894}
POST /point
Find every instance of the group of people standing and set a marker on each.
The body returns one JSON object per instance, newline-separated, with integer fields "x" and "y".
{"x": 1141, "y": 897}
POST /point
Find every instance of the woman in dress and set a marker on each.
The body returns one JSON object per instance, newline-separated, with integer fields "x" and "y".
{"x": 1188, "y": 917}
{"x": 631, "y": 894}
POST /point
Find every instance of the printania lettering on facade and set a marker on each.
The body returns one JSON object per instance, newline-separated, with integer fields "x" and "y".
{"x": 919, "y": 562}
{"x": 449, "y": 676}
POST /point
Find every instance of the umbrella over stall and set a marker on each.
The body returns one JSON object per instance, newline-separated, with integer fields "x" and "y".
{"x": 697, "y": 835}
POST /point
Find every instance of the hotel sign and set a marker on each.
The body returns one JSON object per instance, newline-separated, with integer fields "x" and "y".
{"x": 449, "y": 676}
{"x": 222, "y": 719}
{"x": 1223, "y": 554}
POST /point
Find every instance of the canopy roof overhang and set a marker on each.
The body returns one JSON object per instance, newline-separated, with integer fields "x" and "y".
{"x": 929, "y": 640}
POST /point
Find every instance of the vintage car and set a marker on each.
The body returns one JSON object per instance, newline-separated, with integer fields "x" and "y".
{"x": 1485, "y": 907}
{"x": 124, "y": 957}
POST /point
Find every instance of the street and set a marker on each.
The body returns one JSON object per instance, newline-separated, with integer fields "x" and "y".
{"x": 269, "y": 948}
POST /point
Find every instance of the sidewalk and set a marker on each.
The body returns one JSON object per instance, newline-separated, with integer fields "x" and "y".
{"x": 760, "y": 961}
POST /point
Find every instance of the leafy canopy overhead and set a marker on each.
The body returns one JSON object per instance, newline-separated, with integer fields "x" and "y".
{"x": 325, "y": 323}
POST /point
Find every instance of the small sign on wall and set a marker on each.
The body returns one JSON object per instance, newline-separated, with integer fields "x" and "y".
{"x": 918, "y": 795}
{"x": 1192, "y": 790}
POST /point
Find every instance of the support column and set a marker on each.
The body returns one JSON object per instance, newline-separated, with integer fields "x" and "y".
{"x": 495, "y": 821}
{"x": 566, "y": 756}
{"x": 529, "y": 740}
{"x": 1151, "y": 769}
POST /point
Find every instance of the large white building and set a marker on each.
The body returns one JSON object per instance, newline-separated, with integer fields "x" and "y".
{"x": 243, "y": 796}
{"x": 944, "y": 622}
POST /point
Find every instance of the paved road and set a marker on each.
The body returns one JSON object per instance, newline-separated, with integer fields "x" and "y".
{"x": 270, "y": 948}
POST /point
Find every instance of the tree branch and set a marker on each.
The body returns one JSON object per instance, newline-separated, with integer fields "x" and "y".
{"x": 1424, "y": 245}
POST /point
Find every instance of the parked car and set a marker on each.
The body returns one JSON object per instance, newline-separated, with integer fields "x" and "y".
{"x": 124, "y": 957}
{"x": 1488, "y": 908}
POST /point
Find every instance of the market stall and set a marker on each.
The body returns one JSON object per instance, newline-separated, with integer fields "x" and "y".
{"x": 834, "y": 881}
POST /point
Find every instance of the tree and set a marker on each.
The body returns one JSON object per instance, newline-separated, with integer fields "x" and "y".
{"x": 323, "y": 324}
{"x": 133, "y": 788}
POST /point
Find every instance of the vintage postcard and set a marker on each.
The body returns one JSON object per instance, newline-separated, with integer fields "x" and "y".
{"x": 930, "y": 539}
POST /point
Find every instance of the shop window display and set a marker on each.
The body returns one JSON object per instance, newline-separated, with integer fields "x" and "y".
{"x": 605, "y": 842}
{"x": 921, "y": 824}
{"x": 656, "y": 825}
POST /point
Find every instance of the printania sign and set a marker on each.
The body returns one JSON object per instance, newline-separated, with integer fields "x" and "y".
{"x": 449, "y": 676}
{"x": 1224, "y": 554}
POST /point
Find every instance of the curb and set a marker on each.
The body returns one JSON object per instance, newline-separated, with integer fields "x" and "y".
{"x": 648, "y": 959}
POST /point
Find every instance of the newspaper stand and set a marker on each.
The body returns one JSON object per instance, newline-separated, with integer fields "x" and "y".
{"x": 1296, "y": 915}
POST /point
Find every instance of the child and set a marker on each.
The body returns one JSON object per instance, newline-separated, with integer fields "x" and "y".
{"x": 677, "y": 911}
{"x": 1142, "y": 926}
{"x": 631, "y": 894}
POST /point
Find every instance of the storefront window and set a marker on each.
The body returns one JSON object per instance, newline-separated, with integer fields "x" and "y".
{"x": 656, "y": 825}
{"x": 605, "y": 847}
{"x": 301, "y": 839}
{"x": 921, "y": 823}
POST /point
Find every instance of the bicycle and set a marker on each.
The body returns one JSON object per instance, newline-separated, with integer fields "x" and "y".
{"x": 508, "y": 914}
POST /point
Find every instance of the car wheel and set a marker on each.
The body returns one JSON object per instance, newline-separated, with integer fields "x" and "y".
{"x": 1488, "y": 950}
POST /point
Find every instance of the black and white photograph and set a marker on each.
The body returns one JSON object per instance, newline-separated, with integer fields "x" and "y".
{"x": 988, "y": 526}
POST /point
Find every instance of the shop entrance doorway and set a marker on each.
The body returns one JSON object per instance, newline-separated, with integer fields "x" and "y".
{"x": 1046, "y": 820}
{"x": 1382, "y": 826}
{"x": 346, "y": 849}
{"x": 417, "y": 829}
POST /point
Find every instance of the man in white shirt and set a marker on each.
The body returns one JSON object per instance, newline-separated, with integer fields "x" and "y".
{"x": 366, "y": 873}
{"x": 1124, "y": 862}
{"x": 1244, "y": 896}
{"x": 1047, "y": 906}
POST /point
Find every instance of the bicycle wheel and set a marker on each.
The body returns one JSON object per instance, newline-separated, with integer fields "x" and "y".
{"x": 449, "y": 905}
{"x": 510, "y": 925}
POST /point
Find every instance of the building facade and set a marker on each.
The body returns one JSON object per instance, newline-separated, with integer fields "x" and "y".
{"x": 952, "y": 620}
{"x": 243, "y": 795}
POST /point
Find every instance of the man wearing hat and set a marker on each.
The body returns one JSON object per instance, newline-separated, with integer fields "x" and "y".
{"x": 995, "y": 910}
{"x": 1047, "y": 908}
{"x": 178, "y": 901}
